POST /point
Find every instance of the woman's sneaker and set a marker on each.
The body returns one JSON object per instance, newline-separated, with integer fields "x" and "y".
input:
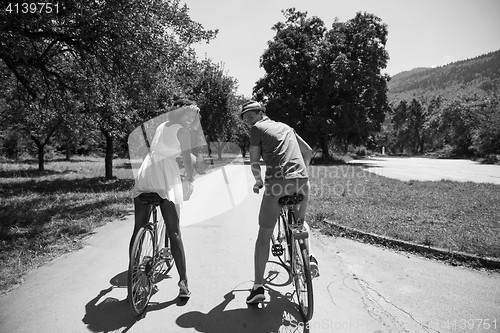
{"x": 183, "y": 289}
{"x": 256, "y": 295}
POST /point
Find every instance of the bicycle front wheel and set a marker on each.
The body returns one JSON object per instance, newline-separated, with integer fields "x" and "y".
{"x": 141, "y": 267}
{"x": 279, "y": 240}
{"x": 302, "y": 278}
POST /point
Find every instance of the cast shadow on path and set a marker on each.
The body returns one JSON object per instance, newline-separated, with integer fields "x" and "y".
{"x": 279, "y": 313}
{"x": 109, "y": 315}
{"x": 112, "y": 314}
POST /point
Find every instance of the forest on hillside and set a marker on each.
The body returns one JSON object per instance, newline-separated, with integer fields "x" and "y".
{"x": 480, "y": 75}
{"x": 449, "y": 111}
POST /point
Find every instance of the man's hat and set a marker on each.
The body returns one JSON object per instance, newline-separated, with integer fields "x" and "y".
{"x": 251, "y": 106}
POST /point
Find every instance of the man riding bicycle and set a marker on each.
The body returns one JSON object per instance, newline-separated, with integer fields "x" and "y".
{"x": 287, "y": 157}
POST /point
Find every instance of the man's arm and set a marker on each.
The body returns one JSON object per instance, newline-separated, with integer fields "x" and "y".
{"x": 305, "y": 149}
{"x": 255, "y": 153}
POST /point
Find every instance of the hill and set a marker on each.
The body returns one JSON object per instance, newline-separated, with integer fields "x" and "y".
{"x": 480, "y": 76}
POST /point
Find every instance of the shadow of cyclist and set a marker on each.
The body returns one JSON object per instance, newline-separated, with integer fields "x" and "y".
{"x": 279, "y": 314}
{"x": 109, "y": 315}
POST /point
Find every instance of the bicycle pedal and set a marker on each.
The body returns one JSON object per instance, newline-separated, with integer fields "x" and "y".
{"x": 166, "y": 254}
{"x": 277, "y": 250}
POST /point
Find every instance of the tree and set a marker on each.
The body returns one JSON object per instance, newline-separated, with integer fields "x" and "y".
{"x": 416, "y": 118}
{"x": 327, "y": 84}
{"x": 456, "y": 122}
{"x": 289, "y": 85}
{"x": 213, "y": 93}
{"x": 114, "y": 46}
{"x": 354, "y": 92}
{"x": 486, "y": 136}
{"x": 409, "y": 126}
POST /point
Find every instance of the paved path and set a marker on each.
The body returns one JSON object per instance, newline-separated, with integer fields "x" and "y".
{"x": 362, "y": 288}
{"x": 431, "y": 169}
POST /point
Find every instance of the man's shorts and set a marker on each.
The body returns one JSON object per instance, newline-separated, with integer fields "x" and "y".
{"x": 277, "y": 188}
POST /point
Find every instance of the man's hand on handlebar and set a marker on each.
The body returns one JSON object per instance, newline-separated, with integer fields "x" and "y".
{"x": 258, "y": 185}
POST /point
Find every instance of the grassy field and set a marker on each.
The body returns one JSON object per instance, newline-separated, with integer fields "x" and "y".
{"x": 45, "y": 214}
{"x": 459, "y": 216}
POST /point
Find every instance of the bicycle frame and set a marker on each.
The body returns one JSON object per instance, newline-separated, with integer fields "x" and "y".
{"x": 297, "y": 251}
{"x": 292, "y": 229}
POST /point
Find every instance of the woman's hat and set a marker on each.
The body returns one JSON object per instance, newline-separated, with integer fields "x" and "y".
{"x": 251, "y": 106}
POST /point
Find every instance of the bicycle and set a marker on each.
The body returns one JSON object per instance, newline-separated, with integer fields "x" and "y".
{"x": 148, "y": 257}
{"x": 289, "y": 245}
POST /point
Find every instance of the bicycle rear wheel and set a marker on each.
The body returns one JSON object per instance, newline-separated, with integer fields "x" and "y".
{"x": 141, "y": 267}
{"x": 302, "y": 278}
{"x": 279, "y": 240}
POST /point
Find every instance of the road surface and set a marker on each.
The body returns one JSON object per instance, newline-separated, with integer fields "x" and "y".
{"x": 416, "y": 168}
{"x": 362, "y": 288}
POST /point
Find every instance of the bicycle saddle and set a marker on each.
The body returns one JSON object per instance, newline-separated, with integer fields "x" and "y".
{"x": 291, "y": 199}
{"x": 150, "y": 199}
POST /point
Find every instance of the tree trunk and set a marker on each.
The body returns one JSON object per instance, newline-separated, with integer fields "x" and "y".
{"x": 68, "y": 151}
{"x": 421, "y": 146}
{"x": 108, "y": 160}
{"x": 219, "y": 146}
{"x": 325, "y": 153}
{"x": 41, "y": 153}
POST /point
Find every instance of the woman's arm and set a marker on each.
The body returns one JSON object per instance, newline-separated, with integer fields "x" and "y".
{"x": 185, "y": 140}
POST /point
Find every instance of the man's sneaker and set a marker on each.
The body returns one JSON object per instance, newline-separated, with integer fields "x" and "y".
{"x": 183, "y": 289}
{"x": 256, "y": 295}
{"x": 313, "y": 263}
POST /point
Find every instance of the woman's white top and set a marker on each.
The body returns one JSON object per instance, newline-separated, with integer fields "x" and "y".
{"x": 159, "y": 171}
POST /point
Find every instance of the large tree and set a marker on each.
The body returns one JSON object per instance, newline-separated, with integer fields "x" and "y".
{"x": 290, "y": 82}
{"x": 327, "y": 83}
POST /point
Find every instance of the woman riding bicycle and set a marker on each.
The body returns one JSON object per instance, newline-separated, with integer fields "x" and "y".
{"x": 159, "y": 173}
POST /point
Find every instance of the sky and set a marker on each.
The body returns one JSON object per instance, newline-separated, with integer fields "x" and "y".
{"x": 422, "y": 33}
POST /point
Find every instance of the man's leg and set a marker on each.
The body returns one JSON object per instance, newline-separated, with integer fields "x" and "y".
{"x": 269, "y": 211}
{"x": 262, "y": 246}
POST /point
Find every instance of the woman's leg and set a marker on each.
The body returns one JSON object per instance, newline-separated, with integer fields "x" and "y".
{"x": 171, "y": 217}
{"x": 142, "y": 213}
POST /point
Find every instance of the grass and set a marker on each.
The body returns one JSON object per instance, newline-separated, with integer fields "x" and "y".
{"x": 45, "y": 214}
{"x": 459, "y": 216}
